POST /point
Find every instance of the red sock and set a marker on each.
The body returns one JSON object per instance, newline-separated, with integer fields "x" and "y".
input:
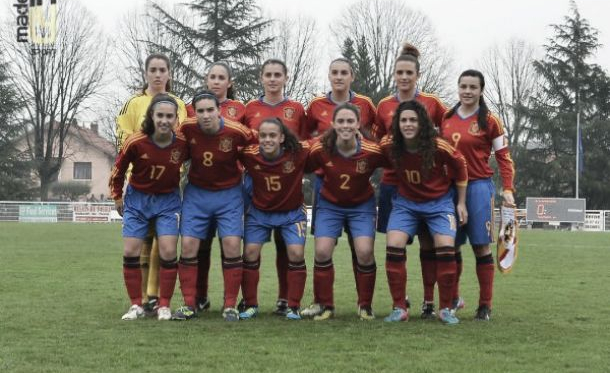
{"x": 445, "y": 274}
{"x": 366, "y": 279}
{"x": 427, "y": 259}
{"x": 187, "y": 273}
{"x": 297, "y": 274}
{"x": 168, "y": 271}
{"x": 281, "y": 264}
{"x": 132, "y": 276}
{"x": 485, "y": 274}
{"x": 396, "y": 270}
{"x": 458, "y": 273}
{"x": 249, "y": 282}
{"x": 323, "y": 281}
{"x": 232, "y": 270}
{"x": 203, "y": 266}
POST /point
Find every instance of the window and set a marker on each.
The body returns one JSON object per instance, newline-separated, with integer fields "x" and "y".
{"x": 82, "y": 171}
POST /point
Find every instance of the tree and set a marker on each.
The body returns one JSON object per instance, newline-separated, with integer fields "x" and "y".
{"x": 365, "y": 81}
{"x": 570, "y": 86}
{"x": 226, "y": 30}
{"x": 15, "y": 183}
{"x": 381, "y": 26}
{"x": 141, "y": 35}
{"x": 294, "y": 42}
{"x": 52, "y": 85}
{"x": 510, "y": 82}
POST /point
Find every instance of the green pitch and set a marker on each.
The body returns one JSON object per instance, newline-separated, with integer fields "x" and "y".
{"x": 62, "y": 297}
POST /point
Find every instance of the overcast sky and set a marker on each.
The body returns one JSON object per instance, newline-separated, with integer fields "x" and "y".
{"x": 467, "y": 27}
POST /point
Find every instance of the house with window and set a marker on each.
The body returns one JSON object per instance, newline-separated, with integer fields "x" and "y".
{"x": 89, "y": 159}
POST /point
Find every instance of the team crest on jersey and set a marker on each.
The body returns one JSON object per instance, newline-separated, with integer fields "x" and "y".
{"x": 474, "y": 129}
{"x": 288, "y": 113}
{"x": 362, "y": 166}
{"x": 232, "y": 111}
{"x": 288, "y": 167}
{"x": 225, "y": 144}
{"x": 175, "y": 156}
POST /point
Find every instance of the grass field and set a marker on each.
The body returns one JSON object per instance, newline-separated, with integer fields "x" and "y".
{"x": 62, "y": 296}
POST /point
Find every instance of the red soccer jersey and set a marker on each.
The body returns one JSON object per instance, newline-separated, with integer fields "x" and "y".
{"x": 412, "y": 183}
{"x": 385, "y": 112}
{"x": 476, "y": 145}
{"x": 214, "y": 157}
{"x": 277, "y": 184}
{"x": 155, "y": 170}
{"x": 347, "y": 180}
{"x": 320, "y": 113}
{"x": 229, "y": 109}
{"x": 290, "y": 112}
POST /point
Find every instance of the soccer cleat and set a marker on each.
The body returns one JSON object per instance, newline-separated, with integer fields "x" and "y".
{"x": 184, "y": 313}
{"x": 150, "y": 307}
{"x": 241, "y": 306}
{"x": 230, "y": 314}
{"x": 294, "y": 314}
{"x": 249, "y": 313}
{"x": 483, "y": 313}
{"x": 326, "y": 313}
{"x": 427, "y": 311}
{"x": 366, "y": 313}
{"x": 164, "y": 314}
{"x": 458, "y": 304}
{"x": 281, "y": 307}
{"x": 203, "y": 304}
{"x": 134, "y": 312}
{"x": 398, "y": 314}
{"x": 407, "y": 303}
{"x": 448, "y": 317}
{"x": 312, "y": 310}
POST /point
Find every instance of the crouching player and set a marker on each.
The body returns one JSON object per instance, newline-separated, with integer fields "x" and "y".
{"x": 424, "y": 195}
{"x": 213, "y": 195}
{"x": 152, "y": 195}
{"x": 276, "y": 166}
{"x": 346, "y": 199}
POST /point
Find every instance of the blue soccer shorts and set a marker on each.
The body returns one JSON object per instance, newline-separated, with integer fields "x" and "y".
{"x": 359, "y": 219}
{"x": 259, "y": 224}
{"x": 203, "y": 210}
{"x": 140, "y": 209}
{"x": 480, "y": 205}
{"x": 437, "y": 214}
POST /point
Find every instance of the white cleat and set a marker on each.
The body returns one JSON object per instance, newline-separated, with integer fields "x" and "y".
{"x": 164, "y": 314}
{"x": 134, "y": 312}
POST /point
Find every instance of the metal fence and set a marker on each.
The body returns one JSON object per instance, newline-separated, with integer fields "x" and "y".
{"x": 104, "y": 212}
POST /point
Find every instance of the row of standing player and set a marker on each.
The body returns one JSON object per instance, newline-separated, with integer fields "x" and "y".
{"x": 406, "y": 73}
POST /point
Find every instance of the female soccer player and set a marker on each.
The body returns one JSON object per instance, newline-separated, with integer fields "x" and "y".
{"x": 213, "y": 197}
{"x": 276, "y": 167}
{"x": 273, "y": 103}
{"x": 129, "y": 121}
{"x": 475, "y": 132}
{"x": 424, "y": 195}
{"x": 406, "y": 75}
{"x": 219, "y": 80}
{"x": 152, "y": 197}
{"x": 346, "y": 198}
{"x": 319, "y": 119}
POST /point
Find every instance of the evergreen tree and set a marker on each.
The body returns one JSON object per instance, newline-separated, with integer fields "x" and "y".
{"x": 364, "y": 75}
{"x": 226, "y": 30}
{"x": 570, "y": 85}
{"x": 15, "y": 182}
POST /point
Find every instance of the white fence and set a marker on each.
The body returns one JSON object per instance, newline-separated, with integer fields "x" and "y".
{"x": 104, "y": 212}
